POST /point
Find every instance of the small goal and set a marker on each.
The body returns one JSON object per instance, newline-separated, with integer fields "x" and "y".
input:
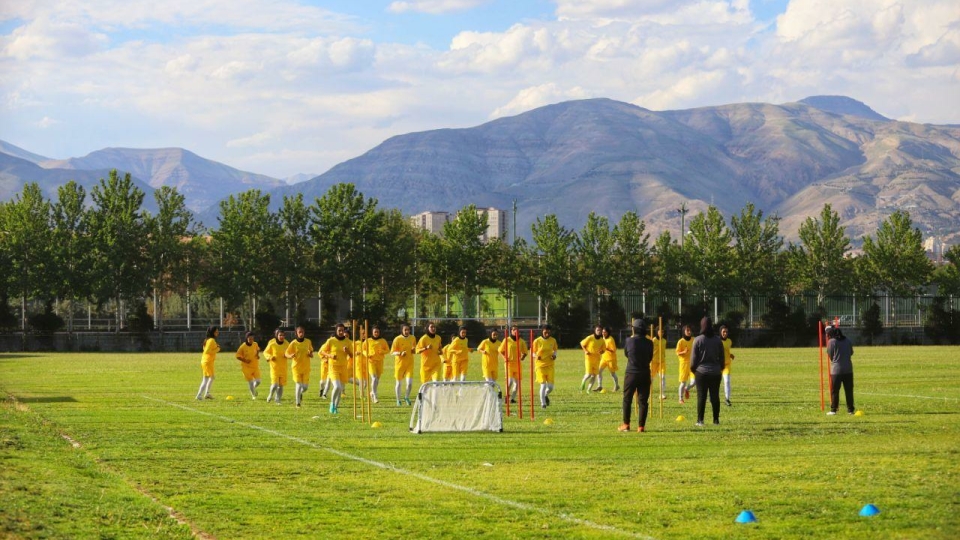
{"x": 458, "y": 406}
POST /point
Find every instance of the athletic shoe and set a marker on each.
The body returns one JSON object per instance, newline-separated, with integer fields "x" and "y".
{"x": 208, "y": 396}
{"x": 199, "y": 399}
{"x": 374, "y": 397}
{"x": 686, "y": 394}
{"x": 512, "y": 400}
{"x": 547, "y": 398}
{"x": 849, "y": 412}
{"x": 336, "y": 410}
{"x": 583, "y": 386}
{"x": 716, "y": 422}
{"x": 699, "y": 424}
{"x": 253, "y": 398}
{"x": 663, "y": 396}
{"x": 543, "y": 405}
{"x": 641, "y": 429}
{"x": 624, "y": 428}
{"x": 298, "y": 405}
{"x": 598, "y": 389}
{"x": 832, "y": 413}
{"x": 278, "y": 403}
{"x": 616, "y": 388}
{"x": 682, "y": 402}
{"x": 408, "y": 401}
{"x": 729, "y": 404}
{"x": 332, "y": 408}
{"x": 398, "y": 403}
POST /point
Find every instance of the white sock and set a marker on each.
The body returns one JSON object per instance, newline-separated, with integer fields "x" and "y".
{"x": 209, "y": 386}
{"x": 253, "y": 388}
{"x": 683, "y": 387}
{"x": 600, "y": 379}
{"x": 726, "y": 387}
{"x": 279, "y": 393}
{"x": 663, "y": 385}
{"x": 396, "y": 390}
{"x": 203, "y": 386}
{"x": 543, "y": 394}
{"x": 409, "y": 387}
{"x": 374, "y": 384}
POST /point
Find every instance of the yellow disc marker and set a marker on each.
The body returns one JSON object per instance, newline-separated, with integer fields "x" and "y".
{"x": 229, "y": 398}
{"x": 376, "y": 425}
{"x": 680, "y": 418}
{"x": 858, "y": 413}
{"x": 548, "y": 422}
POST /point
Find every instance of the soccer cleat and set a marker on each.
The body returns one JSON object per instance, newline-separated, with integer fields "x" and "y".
{"x": 663, "y": 396}
{"x": 208, "y": 396}
{"x": 543, "y": 405}
{"x": 598, "y": 389}
{"x": 278, "y": 403}
{"x": 699, "y": 424}
{"x": 641, "y": 429}
{"x": 332, "y": 409}
{"x": 199, "y": 398}
{"x": 832, "y": 413}
{"x": 583, "y": 386}
{"x": 547, "y": 400}
{"x": 624, "y": 428}
{"x": 616, "y": 388}
{"x": 298, "y": 405}
{"x": 849, "y": 412}
{"x": 716, "y": 422}
{"x": 408, "y": 401}
{"x": 398, "y": 403}
{"x": 375, "y": 399}
{"x": 253, "y": 398}
{"x": 686, "y": 394}
{"x": 682, "y": 402}
{"x": 728, "y": 403}
{"x": 512, "y": 400}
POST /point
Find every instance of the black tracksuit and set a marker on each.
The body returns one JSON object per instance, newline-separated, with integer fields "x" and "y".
{"x": 636, "y": 378}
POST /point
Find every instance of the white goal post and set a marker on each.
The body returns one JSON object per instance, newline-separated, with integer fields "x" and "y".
{"x": 458, "y": 406}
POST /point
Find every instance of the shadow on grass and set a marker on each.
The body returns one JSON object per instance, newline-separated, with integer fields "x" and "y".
{"x": 16, "y": 356}
{"x": 47, "y": 399}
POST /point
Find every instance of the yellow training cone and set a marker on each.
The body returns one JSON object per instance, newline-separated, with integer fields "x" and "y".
{"x": 858, "y": 413}
{"x": 680, "y": 418}
{"x": 548, "y": 422}
{"x": 376, "y": 425}
{"x": 603, "y": 390}
{"x": 229, "y": 398}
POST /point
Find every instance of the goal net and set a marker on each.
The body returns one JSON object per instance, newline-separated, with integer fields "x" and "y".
{"x": 458, "y": 406}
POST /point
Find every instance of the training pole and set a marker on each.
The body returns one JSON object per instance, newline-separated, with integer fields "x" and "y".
{"x": 532, "y": 404}
{"x": 353, "y": 334}
{"x": 650, "y": 397}
{"x": 366, "y": 332}
{"x": 660, "y": 351}
{"x": 506, "y": 368}
{"x": 820, "y": 340}
{"x": 519, "y": 379}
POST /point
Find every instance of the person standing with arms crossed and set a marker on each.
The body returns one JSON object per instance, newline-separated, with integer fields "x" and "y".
{"x": 593, "y": 347}
{"x": 636, "y": 377}
{"x": 489, "y": 353}
{"x": 249, "y": 356}
{"x": 684, "y": 348}
{"x": 840, "y": 353}
{"x": 207, "y": 360}
{"x": 402, "y": 349}
{"x": 274, "y": 355}
{"x": 727, "y": 361}
{"x": 300, "y": 351}
{"x": 544, "y": 353}
{"x": 706, "y": 362}
{"x": 430, "y": 347}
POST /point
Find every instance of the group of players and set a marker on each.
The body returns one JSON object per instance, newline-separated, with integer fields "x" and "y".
{"x": 344, "y": 360}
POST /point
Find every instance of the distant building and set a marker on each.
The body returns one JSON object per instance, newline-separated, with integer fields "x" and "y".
{"x": 433, "y": 222}
{"x": 430, "y": 221}
{"x": 935, "y": 248}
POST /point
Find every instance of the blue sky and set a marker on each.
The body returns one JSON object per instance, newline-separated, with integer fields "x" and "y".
{"x": 281, "y": 87}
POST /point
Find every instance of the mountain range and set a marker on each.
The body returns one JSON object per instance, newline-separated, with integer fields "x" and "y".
{"x": 610, "y": 157}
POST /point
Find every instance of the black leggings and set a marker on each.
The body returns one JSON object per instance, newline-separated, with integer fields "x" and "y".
{"x": 708, "y": 382}
{"x": 845, "y": 379}
{"x": 636, "y": 382}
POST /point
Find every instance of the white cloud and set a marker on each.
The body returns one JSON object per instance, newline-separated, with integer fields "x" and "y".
{"x": 538, "y": 96}
{"x": 46, "y": 122}
{"x": 434, "y": 7}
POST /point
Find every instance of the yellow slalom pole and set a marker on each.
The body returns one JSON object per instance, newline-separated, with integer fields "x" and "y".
{"x": 660, "y": 351}
{"x": 353, "y": 334}
{"x": 366, "y": 364}
{"x": 650, "y": 400}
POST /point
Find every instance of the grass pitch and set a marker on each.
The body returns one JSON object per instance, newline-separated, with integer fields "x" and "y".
{"x": 114, "y": 446}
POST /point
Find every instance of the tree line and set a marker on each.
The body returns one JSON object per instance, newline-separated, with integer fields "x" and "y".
{"x": 104, "y": 247}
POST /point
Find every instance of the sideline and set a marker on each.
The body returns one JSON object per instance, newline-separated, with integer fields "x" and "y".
{"x": 908, "y": 396}
{"x": 386, "y": 466}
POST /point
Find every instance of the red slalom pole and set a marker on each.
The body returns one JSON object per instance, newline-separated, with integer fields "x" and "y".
{"x": 506, "y": 369}
{"x": 519, "y": 378}
{"x": 532, "y": 404}
{"x": 820, "y": 339}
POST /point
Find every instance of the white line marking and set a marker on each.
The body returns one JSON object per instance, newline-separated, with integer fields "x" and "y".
{"x": 425, "y": 478}
{"x": 909, "y": 396}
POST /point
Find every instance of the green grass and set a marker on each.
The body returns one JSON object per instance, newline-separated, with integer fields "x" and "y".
{"x": 244, "y": 468}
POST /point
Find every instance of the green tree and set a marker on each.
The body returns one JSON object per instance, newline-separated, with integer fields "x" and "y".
{"x": 630, "y": 260}
{"x": 70, "y": 278}
{"x": 296, "y": 264}
{"x": 554, "y": 247}
{"x": 757, "y": 246}
{"x": 466, "y": 252}
{"x": 246, "y": 227}
{"x": 26, "y": 231}
{"x": 118, "y": 229}
{"x": 593, "y": 249}
{"x": 897, "y": 261}
{"x": 170, "y": 232}
{"x": 667, "y": 260}
{"x": 709, "y": 252}
{"x": 824, "y": 265}
{"x": 947, "y": 276}
{"x": 510, "y": 267}
{"x": 341, "y": 222}
{"x": 392, "y": 253}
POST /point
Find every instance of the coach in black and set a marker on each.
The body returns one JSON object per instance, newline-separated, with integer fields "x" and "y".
{"x": 639, "y": 352}
{"x": 706, "y": 363}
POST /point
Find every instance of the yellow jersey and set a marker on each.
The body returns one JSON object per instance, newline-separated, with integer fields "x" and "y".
{"x": 544, "y": 350}
{"x": 300, "y": 352}
{"x": 431, "y": 355}
{"x": 375, "y": 349}
{"x": 594, "y": 347}
{"x": 275, "y": 350}
{"x": 459, "y": 350}
{"x": 509, "y": 349}
{"x": 250, "y": 353}
{"x": 405, "y": 345}
{"x": 210, "y": 350}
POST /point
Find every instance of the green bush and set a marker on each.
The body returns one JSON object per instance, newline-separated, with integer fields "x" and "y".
{"x": 47, "y": 322}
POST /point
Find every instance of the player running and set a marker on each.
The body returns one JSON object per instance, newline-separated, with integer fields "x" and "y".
{"x": 300, "y": 351}
{"x": 402, "y": 350}
{"x": 608, "y": 360}
{"x": 249, "y": 356}
{"x": 207, "y": 360}
{"x": 489, "y": 351}
{"x": 374, "y": 349}
{"x": 338, "y": 350}
{"x": 727, "y": 360}
{"x": 459, "y": 355}
{"x": 429, "y": 347}
{"x": 274, "y": 355}
{"x": 684, "y": 348}
{"x": 544, "y": 353}
{"x": 593, "y": 347}
{"x": 509, "y": 351}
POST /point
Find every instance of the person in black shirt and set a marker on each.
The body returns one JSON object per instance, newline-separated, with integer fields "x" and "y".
{"x": 636, "y": 379}
{"x": 706, "y": 363}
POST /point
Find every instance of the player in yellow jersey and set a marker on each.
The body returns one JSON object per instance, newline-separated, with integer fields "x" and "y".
{"x": 359, "y": 374}
{"x": 684, "y": 348}
{"x": 429, "y": 347}
{"x": 544, "y": 353}
{"x": 249, "y": 356}
{"x": 374, "y": 349}
{"x": 593, "y": 347}
{"x": 460, "y": 355}
{"x": 274, "y": 355}
{"x": 338, "y": 350}
{"x": 402, "y": 349}
{"x": 608, "y": 360}
{"x": 658, "y": 366}
{"x": 513, "y": 351}
{"x": 207, "y": 360}
{"x": 300, "y": 351}
{"x": 490, "y": 356}
{"x": 446, "y": 358}
{"x": 727, "y": 361}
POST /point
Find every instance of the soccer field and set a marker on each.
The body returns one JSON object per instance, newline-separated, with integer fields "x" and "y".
{"x": 113, "y": 445}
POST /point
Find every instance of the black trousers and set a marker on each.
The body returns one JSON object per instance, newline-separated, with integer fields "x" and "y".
{"x": 846, "y": 380}
{"x": 708, "y": 382}
{"x": 636, "y": 382}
